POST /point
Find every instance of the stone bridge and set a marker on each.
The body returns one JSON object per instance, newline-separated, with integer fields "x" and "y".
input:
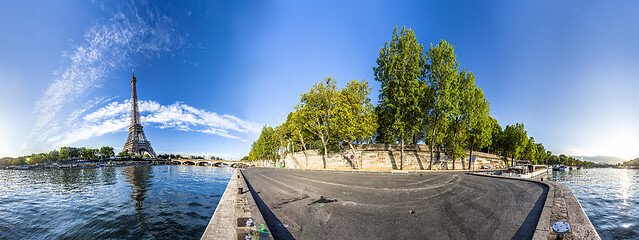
{"x": 206, "y": 162}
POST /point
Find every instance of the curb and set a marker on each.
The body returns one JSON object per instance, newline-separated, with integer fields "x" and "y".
{"x": 221, "y": 224}
{"x": 234, "y": 207}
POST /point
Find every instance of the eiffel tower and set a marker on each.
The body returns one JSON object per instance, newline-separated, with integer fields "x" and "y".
{"x": 137, "y": 143}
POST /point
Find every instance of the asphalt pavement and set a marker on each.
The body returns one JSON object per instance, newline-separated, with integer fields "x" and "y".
{"x": 299, "y": 204}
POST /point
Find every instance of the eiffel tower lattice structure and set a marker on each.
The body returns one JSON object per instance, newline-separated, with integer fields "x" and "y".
{"x": 137, "y": 143}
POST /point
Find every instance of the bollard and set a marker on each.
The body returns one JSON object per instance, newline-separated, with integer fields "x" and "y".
{"x": 240, "y": 190}
{"x": 560, "y": 228}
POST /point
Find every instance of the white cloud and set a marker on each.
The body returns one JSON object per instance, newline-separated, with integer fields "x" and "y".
{"x": 115, "y": 117}
{"x": 106, "y": 46}
{"x": 88, "y": 105}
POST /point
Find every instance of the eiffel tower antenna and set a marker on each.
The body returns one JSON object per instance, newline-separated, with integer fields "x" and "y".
{"x": 136, "y": 143}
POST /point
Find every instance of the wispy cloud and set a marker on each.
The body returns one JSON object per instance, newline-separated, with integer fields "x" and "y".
{"x": 106, "y": 46}
{"x": 115, "y": 117}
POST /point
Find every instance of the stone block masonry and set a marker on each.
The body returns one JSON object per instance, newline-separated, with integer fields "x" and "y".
{"x": 386, "y": 157}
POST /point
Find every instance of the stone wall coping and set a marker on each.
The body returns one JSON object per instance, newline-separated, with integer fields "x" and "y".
{"x": 222, "y": 224}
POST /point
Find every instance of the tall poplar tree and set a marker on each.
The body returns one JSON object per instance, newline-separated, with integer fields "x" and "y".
{"x": 479, "y": 122}
{"x": 458, "y": 115}
{"x": 442, "y": 70}
{"x": 399, "y": 69}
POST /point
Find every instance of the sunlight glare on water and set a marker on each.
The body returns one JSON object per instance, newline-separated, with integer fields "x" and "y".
{"x": 610, "y": 198}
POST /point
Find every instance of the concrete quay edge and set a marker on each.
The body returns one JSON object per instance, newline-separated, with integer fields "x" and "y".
{"x": 223, "y": 223}
{"x": 582, "y": 228}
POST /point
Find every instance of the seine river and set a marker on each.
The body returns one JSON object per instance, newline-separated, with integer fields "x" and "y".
{"x": 132, "y": 202}
{"x": 610, "y": 198}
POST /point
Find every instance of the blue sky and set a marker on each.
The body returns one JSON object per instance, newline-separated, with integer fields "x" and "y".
{"x": 210, "y": 74}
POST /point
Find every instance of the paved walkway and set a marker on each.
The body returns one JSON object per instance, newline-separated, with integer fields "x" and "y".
{"x": 328, "y": 205}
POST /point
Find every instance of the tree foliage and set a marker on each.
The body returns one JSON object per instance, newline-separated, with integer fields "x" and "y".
{"x": 424, "y": 98}
{"x": 316, "y": 109}
{"x": 442, "y": 72}
{"x": 266, "y": 147}
{"x": 400, "y": 66}
{"x": 354, "y": 114}
{"x": 515, "y": 140}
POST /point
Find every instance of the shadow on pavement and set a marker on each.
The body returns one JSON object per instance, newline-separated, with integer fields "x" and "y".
{"x": 274, "y": 224}
{"x": 527, "y": 228}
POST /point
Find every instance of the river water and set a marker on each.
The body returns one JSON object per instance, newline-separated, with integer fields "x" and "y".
{"x": 132, "y": 202}
{"x": 610, "y": 198}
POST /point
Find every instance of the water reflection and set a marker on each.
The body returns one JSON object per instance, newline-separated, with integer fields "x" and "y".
{"x": 139, "y": 178}
{"x": 134, "y": 202}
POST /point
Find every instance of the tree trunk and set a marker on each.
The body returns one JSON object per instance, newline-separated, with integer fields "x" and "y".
{"x": 453, "y": 150}
{"x": 354, "y": 160}
{"x": 430, "y": 165}
{"x": 401, "y": 161}
{"x": 325, "y": 151}
{"x": 432, "y": 143}
{"x": 470, "y": 157}
{"x": 304, "y": 146}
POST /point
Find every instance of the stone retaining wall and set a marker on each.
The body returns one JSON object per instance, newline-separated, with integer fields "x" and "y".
{"x": 385, "y": 157}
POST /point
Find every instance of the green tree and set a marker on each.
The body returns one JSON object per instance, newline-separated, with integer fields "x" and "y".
{"x": 89, "y": 153}
{"x": 460, "y": 117}
{"x": 400, "y": 66}
{"x": 266, "y": 146}
{"x": 316, "y": 108}
{"x": 65, "y": 153}
{"x": 355, "y": 117}
{"x": 106, "y": 152}
{"x": 479, "y": 122}
{"x": 530, "y": 151}
{"x": 299, "y": 134}
{"x": 515, "y": 140}
{"x": 442, "y": 71}
{"x": 17, "y": 161}
{"x": 146, "y": 155}
{"x": 54, "y": 156}
{"x": 80, "y": 152}
{"x": 124, "y": 154}
{"x": 541, "y": 154}
{"x": 384, "y": 132}
{"x": 495, "y": 135}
